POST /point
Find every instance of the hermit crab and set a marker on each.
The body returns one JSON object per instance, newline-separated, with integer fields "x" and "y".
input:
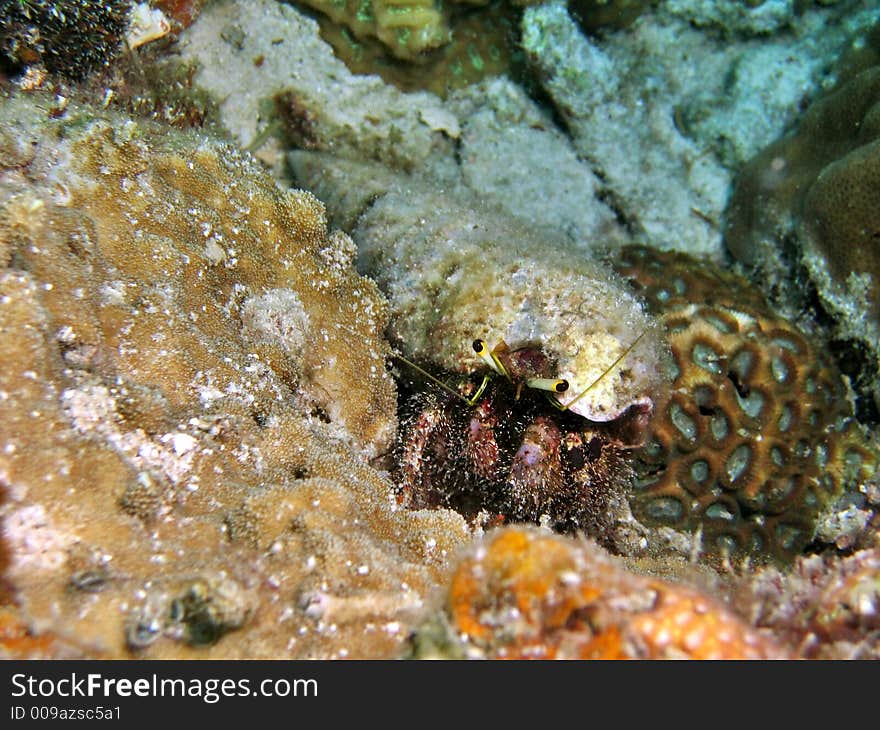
{"x": 506, "y": 444}
{"x": 493, "y": 428}
{"x": 536, "y": 421}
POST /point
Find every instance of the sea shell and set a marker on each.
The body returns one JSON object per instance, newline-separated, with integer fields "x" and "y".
{"x": 455, "y": 273}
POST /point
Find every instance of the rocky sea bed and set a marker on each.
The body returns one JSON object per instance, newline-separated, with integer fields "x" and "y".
{"x": 467, "y": 330}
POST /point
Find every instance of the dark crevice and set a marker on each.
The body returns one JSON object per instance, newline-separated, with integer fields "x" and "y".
{"x": 610, "y": 199}
{"x": 742, "y": 389}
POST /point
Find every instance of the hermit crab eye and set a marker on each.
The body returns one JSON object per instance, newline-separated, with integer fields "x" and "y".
{"x": 489, "y": 357}
{"x": 554, "y": 385}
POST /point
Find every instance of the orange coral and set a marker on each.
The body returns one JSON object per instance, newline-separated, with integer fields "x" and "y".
{"x": 526, "y": 593}
{"x": 758, "y": 433}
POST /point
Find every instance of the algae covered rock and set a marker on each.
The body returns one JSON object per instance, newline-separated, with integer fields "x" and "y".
{"x": 666, "y": 110}
{"x": 193, "y": 387}
{"x": 320, "y": 103}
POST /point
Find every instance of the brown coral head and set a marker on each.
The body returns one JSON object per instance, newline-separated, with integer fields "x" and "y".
{"x": 751, "y": 444}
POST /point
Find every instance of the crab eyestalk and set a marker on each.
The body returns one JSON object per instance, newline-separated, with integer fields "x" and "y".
{"x": 490, "y": 357}
{"x": 552, "y": 385}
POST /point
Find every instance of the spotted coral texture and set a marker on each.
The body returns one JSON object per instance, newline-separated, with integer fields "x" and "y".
{"x": 192, "y": 390}
{"x": 757, "y": 435}
{"x": 527, "y": 594}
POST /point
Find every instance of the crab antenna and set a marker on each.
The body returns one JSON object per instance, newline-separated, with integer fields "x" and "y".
{"x": 605, "y": 372}
{"x": 554, "y": 385}
{"x": 488, "y": 357}
{"x": 434, "y": 380}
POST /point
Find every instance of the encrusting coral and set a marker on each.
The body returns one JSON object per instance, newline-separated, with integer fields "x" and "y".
{"x": 523, "y": 593}
{"x": 828, "y": 607}
{"x": 411, "y": 30}
{"x": 758, "y": 435}
{"x": 481, "y": 44}
{"x": 193, "y": 386}
{"x": 406, "y": 27}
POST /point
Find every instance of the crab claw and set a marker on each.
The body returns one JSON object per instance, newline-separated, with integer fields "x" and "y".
{"x": 536, "y": 474}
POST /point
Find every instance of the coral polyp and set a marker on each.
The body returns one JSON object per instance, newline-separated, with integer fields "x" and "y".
{"x": 758, "y": 435}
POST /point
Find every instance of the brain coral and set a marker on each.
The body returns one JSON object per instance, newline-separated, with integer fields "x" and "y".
{"x": 758, "y": 434}
{"x": 527, "y": 594}
{"x": 811, "y": 197}
{"x": 192, "y": 387}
